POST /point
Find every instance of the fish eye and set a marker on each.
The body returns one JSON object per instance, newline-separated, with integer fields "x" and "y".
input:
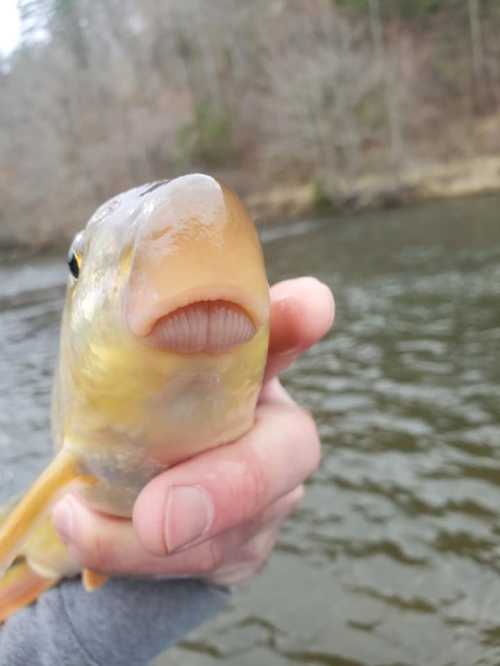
{"x": 75, "y": 256}
{"x": 74, "y": 264}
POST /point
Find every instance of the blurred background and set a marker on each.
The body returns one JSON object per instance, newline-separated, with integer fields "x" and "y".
{"x": 327, "y": 116}
{"x": 298, "y": 103}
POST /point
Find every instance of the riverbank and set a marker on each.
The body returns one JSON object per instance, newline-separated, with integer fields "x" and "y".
{"x": 459, "y": 178}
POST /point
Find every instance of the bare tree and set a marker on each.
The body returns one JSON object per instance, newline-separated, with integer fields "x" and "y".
{"x": 391, "y": 80}
{"x": 103, "y": 94}
{"x": 476, "y": 43}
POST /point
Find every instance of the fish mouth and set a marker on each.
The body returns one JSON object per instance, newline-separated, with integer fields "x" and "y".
{"x": 206, "y": 326}
{"x": 208, "y": 320}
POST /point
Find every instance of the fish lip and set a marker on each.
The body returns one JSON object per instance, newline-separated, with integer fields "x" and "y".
{"x": 142, "y": 326}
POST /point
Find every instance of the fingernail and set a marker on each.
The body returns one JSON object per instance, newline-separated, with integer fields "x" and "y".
{"x": 63, "y": 519}
{"x": 188, "y": 515}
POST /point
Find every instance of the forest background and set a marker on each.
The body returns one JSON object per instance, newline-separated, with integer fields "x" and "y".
{"x": 298, "y": 104}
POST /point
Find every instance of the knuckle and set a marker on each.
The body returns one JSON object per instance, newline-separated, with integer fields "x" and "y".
{"x": 293, "y": 499}
{"x": 234, "y": 575}
{"x": 307, "y": 422}
{"x": 258, "y": 550}
{"x": 249, "y": 553}
{"x": 251, "y": 491}
{"x": 212, "y": 558}
{"x": 298, "y": 495}
{"x": 310, "y": 435}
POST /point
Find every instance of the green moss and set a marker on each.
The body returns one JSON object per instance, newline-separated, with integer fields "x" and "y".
{"x": 322, "y": 200}
{"x": 207, "y": 138}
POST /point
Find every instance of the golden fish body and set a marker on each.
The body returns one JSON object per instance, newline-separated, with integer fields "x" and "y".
{"x": 162, "y": 351}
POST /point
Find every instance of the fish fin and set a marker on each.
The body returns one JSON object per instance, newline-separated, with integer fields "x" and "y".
{"x": 92, "y": 580}
{"x": 14, "y": 531}
{"x": 20, "y": 587}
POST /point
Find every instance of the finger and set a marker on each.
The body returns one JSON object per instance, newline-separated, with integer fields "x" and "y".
{"x": 302, "y": 311}
{"x": 229, "y": 485}
{"x": 249, "y": 562}
{"x": 110, "y": 545}
{"x": 272, "y": 516}
{"x": 255, "y": 542}
{"x": 279, "y": 511}
{"x": 100, "y": 542}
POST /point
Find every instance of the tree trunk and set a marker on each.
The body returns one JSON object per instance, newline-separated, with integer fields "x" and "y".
{"x": 391, "y": 98}
{"x": 476, "y": 41}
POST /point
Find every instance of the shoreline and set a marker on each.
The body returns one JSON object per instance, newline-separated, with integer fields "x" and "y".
{"x": 455, "y": 179}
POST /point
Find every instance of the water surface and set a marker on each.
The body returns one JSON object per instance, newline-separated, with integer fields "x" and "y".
{"x": 394, "y": 557}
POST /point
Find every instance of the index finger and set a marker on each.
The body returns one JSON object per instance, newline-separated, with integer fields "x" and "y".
{"x": 302, "y": 312}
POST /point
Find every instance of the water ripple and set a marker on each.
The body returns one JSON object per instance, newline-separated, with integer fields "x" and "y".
{"x": 395, "y": 554}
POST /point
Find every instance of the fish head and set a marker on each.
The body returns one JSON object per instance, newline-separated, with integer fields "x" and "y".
{"x": 166, "y": 323}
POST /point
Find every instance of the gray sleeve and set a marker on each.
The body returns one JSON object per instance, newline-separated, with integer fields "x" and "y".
{"x": 125, "y": 622}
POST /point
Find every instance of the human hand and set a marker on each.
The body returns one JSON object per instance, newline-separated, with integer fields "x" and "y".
{"x": 218, "y": 514}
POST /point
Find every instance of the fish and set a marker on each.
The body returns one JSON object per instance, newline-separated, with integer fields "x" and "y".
{"x": 162, "y": 353}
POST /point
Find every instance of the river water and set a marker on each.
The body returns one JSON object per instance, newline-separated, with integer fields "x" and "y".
{"x": 394, "y": 557}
